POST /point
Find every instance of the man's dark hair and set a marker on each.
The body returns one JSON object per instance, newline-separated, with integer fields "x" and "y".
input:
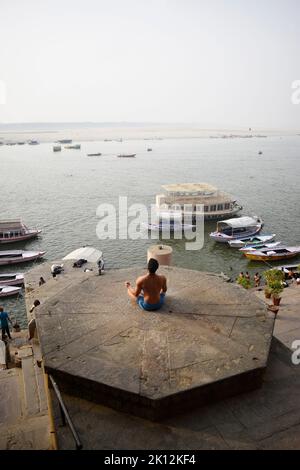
{"x": 1, "y": 309}
{"x": 152, "y": 266}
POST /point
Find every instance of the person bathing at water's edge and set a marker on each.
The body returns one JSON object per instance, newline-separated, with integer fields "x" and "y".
{"x": 150, "y": 289}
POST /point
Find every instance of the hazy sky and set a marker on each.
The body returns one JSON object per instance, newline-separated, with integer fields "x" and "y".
{"x": 214, "y": 62}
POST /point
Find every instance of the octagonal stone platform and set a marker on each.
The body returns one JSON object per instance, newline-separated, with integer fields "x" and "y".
{"x": 209, "y": 341}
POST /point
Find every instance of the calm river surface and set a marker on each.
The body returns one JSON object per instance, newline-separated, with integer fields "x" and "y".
{"x": 60, "y": 192}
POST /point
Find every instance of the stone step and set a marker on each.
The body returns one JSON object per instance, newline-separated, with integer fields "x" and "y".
{"x": 32, "y": 402}
{"x": 39, "y": 375}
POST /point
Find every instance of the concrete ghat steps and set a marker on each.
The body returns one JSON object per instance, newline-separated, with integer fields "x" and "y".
{"x": 33, "y": 383}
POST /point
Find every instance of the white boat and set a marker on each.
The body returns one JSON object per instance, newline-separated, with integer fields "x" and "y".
{"x": 270, "y": 246}
{"x": 194, "y": 200}
{"x": 13, "y": 279}
{"x": 237, "y": 229}
{"x": 6, "y": 291}
{"x": 15, "y": 231}
{"x": 19, "y": 256}
{"x": 257, "y": 240}
{"x": 92, "y": 255}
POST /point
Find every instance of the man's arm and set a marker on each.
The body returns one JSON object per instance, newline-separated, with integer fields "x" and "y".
{"x": 139, "y": 285}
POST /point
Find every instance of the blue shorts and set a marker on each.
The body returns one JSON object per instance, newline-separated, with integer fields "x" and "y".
{"x": 145, "y": 306}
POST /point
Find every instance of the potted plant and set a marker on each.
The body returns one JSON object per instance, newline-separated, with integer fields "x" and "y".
{"x": 268, "y": 292}
{"x": 276, "y": 289}
{"x": 273, "y": 276}
{"x": 244, "y": 282}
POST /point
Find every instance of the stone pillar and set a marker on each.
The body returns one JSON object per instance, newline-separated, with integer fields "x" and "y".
{"x": 162, "y": 253}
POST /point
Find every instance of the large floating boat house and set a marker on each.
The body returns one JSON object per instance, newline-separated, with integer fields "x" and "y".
{"x": 177, "y": 197}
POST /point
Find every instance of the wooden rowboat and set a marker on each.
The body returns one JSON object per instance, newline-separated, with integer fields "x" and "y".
{"x": 6, "y": 291}
{"x": 19, "y": 256}
{"x": 13, "y": 279}
{"x": 275, "y": 254}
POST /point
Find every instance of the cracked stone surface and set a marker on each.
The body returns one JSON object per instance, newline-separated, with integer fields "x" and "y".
{"x": 207, "y": 331}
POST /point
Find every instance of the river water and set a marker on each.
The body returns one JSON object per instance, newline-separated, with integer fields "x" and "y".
{"x": 60, "y": 192}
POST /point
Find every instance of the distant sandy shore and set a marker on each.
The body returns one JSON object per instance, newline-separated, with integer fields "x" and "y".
{"x": 130, "y": 133}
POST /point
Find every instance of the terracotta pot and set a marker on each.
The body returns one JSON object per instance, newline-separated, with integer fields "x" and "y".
{"x": 276, "y": 301}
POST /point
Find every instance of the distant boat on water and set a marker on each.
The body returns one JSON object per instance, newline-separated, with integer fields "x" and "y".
{"x": 149, "y": 150}
{"x": 12, "y": 231}
{"x": 131, "y": 155}
{"x": 74, "y": 147}
{"x": 94, "y": 154}
{"x": 65, "y": 141}
{"x": 19, "y": 256}
{"x": 56, "y": 148}
{"x": 33, "y": 142}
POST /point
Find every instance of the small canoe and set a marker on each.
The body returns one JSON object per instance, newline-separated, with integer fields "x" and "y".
{"x": 275, "y": 254}
{"x": 19, "y": 256}
{"x": 6, "y": 291}
{"x": 258, "y": 240}
{"x": 270, "y": 246}
{"x": 15, "y": 279}
{"x": 94, "y": 154}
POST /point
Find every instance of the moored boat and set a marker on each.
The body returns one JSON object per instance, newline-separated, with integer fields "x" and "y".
{"x": 237, "y": 229}
{"x": 56, "y": 148}
{"x": 270, "y": 246}
{"x": 13, "y": 279}
{"x": 6, "y": 291}
{"x": 275, "y": 254}
{"x": 94, "y": 154}
{"x": 257, "y": 240}
{"x": 74, "y": 147}
{"x": 19, "y": 256}
{"x": 195, "y": 200}
{"x": 12, "y": 231}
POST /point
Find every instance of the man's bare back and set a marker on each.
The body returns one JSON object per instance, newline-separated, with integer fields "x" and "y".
{"x": 150, "y": 288}
{"x": 152, "y": 285}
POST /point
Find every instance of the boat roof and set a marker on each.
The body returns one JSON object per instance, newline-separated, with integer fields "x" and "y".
{"x": 10, "y": 224}
{"x": 239, "y": 222}
{"x": 190, "y": 188}
{"x": 89, "y": 253}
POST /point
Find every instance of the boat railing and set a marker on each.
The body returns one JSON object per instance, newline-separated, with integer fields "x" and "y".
{"x": 65, "y": 417}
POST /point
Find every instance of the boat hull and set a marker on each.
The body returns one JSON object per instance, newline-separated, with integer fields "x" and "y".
{"x": 17, "y": 280}
{"x": 6, "y": 291}
{"x": 221, "y": 238}
{"x": 275, "y": 257}
{"x": 20, "y": 259}
{"x": 21, "y": 238}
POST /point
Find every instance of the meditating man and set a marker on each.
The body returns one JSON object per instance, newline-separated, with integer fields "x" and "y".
{"x": 150, "y": 289}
